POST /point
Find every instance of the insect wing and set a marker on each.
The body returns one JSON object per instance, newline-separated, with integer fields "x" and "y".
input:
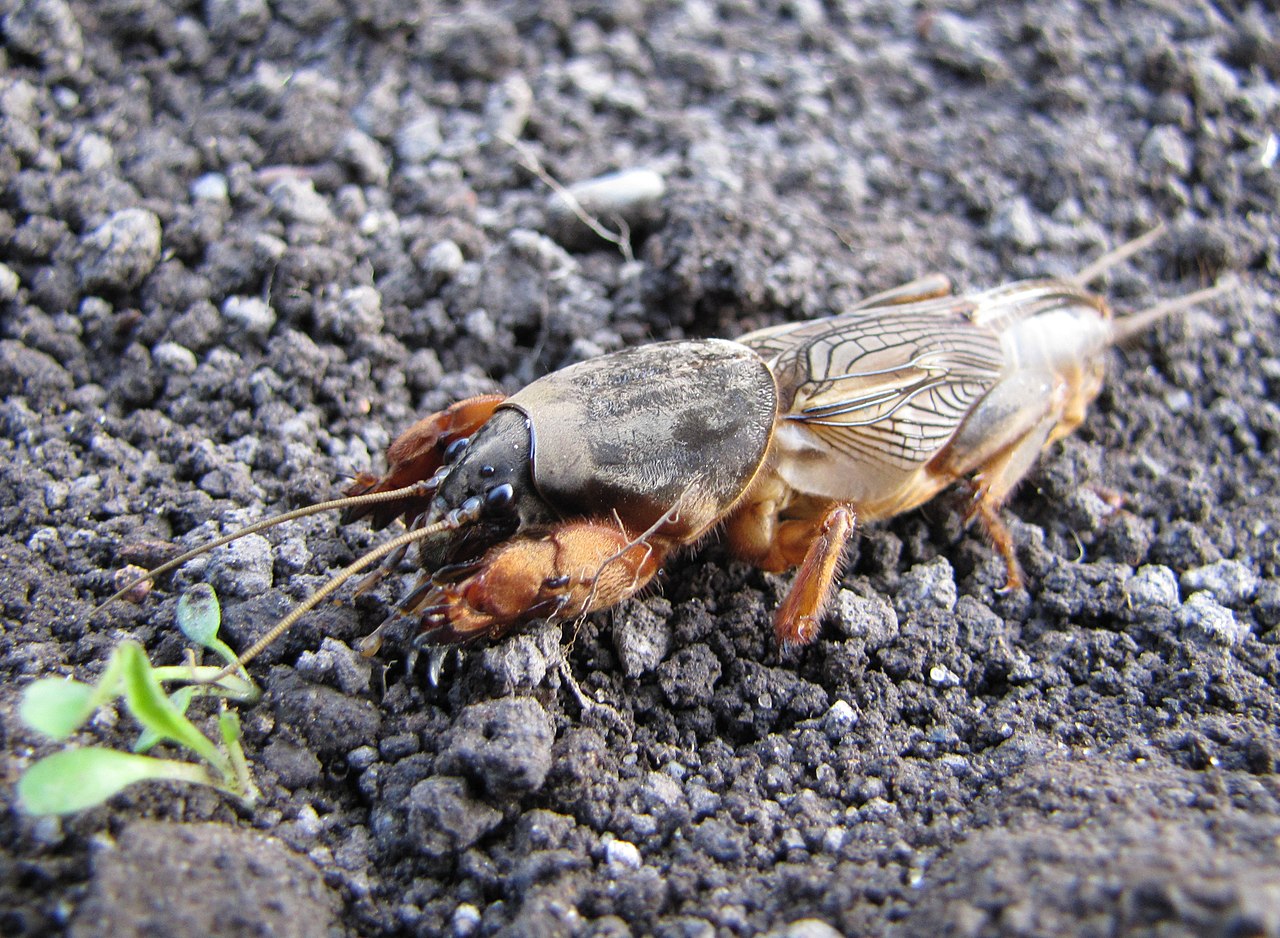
{"x": 885, "y": 387}
{"x": 1003, "y": 308}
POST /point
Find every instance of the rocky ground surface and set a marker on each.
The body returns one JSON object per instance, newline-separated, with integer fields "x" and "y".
{"x": 244, "y": 243}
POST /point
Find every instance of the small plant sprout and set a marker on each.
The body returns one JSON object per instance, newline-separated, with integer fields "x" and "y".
{"x": 80, "y": 778}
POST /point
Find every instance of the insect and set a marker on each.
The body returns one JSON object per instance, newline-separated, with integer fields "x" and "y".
{"x": 568, "y": 496}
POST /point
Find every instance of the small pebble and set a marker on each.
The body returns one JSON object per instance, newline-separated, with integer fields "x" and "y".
{"x": 366, "y": 156}
{"x": 119, "y": 253}
{"x": 621, "y": 855}
{"x": 1267, "y": 604}
{"x": 942, "y": 676}
{"x": 211, "y": 187}
{"x": 336, "y": 662}
{"x": 9, "y": 283}
{"x": 642, "y": 635}
{"x": 466, "y": 919}
{"x": 878, "y": 809}
{"x": 840, "y": 718}
{"x": 308, "y": 822}
{"x": 175, "y": 358}
{"x": 504, "y": 744}
{"x": 355, "y": 313}
{"x": 964, "y": 46}
{"x": 1015, "y": 224}
{"x": 94, "y": 153}
{"x": 1214, "y": 85}
{"x": 420, "y": 139}
{"x": 251, "y": 314}
{"x": 1165, "y": 151}
{"x": 868, "y": 618}
{"x": 1204, "y": 620}
{"x": 805, "y": 928}
{"x": 237, "y": 20}
{"x": 1152, "y": 587}
{"x": 46, "y": 30}
{"x": 243, "y": 568}
{"x": 927, "y": 584}
{"x": 507, "y": 109}
{"x": 130, "y": 574}
{"x": 296, "y": 200}
{"x": 442, "y": 262}
{"x": 47, "y": 832}
{"x": 1231, "y": 582}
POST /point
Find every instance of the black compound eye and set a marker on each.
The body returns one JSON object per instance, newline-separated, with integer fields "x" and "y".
{"x": 454, "y": 450}
{"x": 499, "y": 497}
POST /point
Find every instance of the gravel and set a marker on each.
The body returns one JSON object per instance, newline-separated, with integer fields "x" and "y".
{"x": 245, "y": 244}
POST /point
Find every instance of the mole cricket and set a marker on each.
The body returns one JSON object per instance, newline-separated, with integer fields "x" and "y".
{"x": 568, "y": 496}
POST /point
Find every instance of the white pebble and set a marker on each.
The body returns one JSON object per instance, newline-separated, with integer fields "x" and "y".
{"x": 1152, "y": 587}
{"x": 1204, "y": 620}
{"x": 1231, "y": 582}
{"x": 621, "y": 854}
{"x": 211, "y": 187}
{"x": 942, "y": 676}
{"x": 174, "y": 357}
{"x": 466, "y": 919}
{"x": 296, "y": 200}
{"x": 255, "y": 316}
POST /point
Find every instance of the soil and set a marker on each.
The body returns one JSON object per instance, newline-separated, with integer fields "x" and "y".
{"x": 243, "y": 244}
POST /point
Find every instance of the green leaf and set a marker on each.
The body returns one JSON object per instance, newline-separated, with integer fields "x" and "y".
{"x": 56, "y": 707}
{"x": 152, "y": 708}
{"x": 199, "y": 615}
{"x": 229, "y": 726}
{"x": 182, "y": 700}
{"x": 236, "y": 686}
{"x": 76, "y": 779}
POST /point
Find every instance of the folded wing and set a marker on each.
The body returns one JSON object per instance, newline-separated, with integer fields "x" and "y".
{"x": 884, "y": 387}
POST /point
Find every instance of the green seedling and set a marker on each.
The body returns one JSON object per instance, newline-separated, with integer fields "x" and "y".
{"x": 75, "y": 779}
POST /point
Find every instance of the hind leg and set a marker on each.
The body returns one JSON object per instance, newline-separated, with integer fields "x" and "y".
{"x": 995, "y": 480}
{"x": 998, "y": 444}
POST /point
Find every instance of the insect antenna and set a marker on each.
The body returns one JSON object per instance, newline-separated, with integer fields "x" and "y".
{"x": 1117, "y": 255}
{"x": 1127, "y": 327}
{"x": 352, "y": 501}
{"x": 324, "y": 592}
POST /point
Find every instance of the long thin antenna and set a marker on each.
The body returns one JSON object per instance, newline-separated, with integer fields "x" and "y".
{"x": 1127, "y": 327}
{"x": 327, "y": 590}
{"x": 352, "y": 501}
{"x": 1117, "y": 255}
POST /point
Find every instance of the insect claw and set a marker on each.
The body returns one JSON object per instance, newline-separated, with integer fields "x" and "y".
{"x": 436, "y": 656}
{"x": 436, "y": 616}
{"x": 371, "y": 579}
{"x": 410, "y": 600}
{"x": 371, "y": 644}
{"x": 453, "y": 572}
